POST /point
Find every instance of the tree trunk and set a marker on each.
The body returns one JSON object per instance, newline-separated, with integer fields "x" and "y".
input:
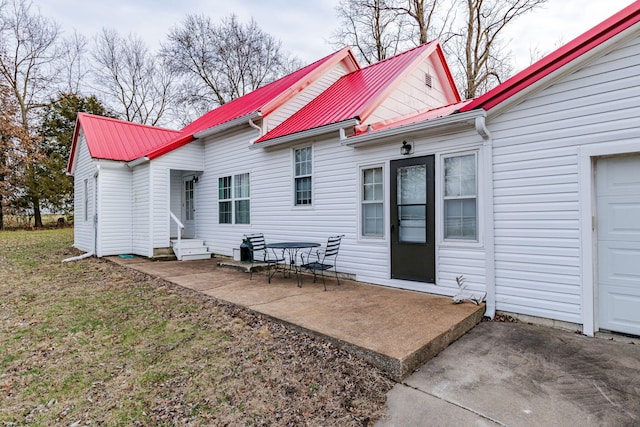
{"x": 37, "y": 216}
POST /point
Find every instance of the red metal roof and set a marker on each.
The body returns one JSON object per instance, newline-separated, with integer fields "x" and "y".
{"x": 357, "y": 94}
{"x": 114, "y": 139}
{"x": 119, "y": 140}
{"x": 271, "y": 96}
{"x": 420, "y": 116}
{"x": 562, "y": 56}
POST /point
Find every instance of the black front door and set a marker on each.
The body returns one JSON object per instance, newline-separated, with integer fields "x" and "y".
{"x": 413, "y": 219}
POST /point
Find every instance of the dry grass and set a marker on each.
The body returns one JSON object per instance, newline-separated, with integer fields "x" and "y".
{"x": 92, "y": 343}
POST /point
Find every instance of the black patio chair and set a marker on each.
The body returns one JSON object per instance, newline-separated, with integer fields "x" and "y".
{"x": 263, "y": 255}
{"x": 323, "y": 259}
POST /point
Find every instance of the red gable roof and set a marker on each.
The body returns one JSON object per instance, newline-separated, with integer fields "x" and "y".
{"x": 114, "y": 139}
{"x": 357, "y": 94}
{"x": 271, "y": 96}
{"x": 557, "y": 59}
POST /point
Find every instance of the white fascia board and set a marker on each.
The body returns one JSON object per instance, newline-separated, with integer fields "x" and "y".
{"x": 111, "y": 164}
{"x": 242, "y": 120}
{"x": 306, "y": 134}
{"x": 137, "y": 162}
{"x": 433, "y": 125}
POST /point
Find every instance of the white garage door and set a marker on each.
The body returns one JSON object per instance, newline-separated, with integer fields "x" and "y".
{"x": 618, "y": 216}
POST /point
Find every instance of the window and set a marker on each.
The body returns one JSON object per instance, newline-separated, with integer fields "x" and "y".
{"x": 302, "y": 185}
{"x": 372, "y": 202}
{"x": 86, "y": 200}
{"x": 234, "y": 204}
{"x": 188, "y": 200}
{"x": 460, "y": 197}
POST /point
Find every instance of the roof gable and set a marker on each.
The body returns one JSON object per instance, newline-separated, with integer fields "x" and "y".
{"x": 119, "y": 140}
{"x": 359, "y": 93}
{"x": 582, "y": 44}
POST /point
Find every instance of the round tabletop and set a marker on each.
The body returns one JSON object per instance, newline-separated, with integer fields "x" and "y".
{"x": 292, "y": 245}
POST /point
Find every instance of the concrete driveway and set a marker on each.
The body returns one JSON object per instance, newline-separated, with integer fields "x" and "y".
{"x": 517, "y": 374}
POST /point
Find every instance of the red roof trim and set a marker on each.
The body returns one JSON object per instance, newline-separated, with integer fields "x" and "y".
{"x": 602, "y": 32}
{"x": 407, "y": 119}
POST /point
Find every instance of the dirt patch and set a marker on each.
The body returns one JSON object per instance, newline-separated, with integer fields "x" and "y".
{"x": 93, "y": 343}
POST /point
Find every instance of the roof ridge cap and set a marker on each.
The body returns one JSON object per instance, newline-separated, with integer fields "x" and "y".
{"x": 113, "y": 119}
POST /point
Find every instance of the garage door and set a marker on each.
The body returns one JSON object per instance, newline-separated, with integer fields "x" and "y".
{"x": 618, "y": 225}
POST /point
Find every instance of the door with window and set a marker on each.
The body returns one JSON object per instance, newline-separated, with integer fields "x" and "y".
{"x": 188, "y": 208}
{"x": 412, "y": 218}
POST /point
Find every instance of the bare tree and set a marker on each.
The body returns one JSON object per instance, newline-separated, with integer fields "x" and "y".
{"x": 478, "y": 50}
{"x": 28, "y": 55}
{"x": 136, "y": 82}
{"x": 73, "y": 68}
{"x": 223, "y": 62}
{"x": 376, "y": 29}
{"x": 429, "y": 18}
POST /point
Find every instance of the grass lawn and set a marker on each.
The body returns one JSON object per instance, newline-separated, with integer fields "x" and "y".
{"x": 92, "y": 343}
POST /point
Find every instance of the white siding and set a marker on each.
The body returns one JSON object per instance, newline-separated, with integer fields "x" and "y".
{"x": 114, "y": 210}
{"x": 536, "y": 180}
{"x": 140, "y": 211}
{"x": 335, "y": 207}
{"x": 176, "y": 200}
{"x": 187, "y": 158}
{"x": 305, "y": 96}
{"x": 85, "y": 168}
{"x": 413, "y": 94}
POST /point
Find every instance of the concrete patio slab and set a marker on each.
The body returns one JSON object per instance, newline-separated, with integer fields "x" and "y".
{"x": 516, "y": 374}
{"x": 394, "y": 329}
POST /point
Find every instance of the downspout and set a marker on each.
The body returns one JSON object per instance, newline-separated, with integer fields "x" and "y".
{"x": 95, "y": 210}
{"x": 489, "y": 235}
{"x": 259, "y": 129}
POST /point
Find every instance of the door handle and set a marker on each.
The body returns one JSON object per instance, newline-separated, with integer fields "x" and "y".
{"x": 393, "y": 227}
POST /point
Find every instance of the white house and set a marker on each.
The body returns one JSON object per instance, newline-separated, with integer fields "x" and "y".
{"x": 531, "y": 192}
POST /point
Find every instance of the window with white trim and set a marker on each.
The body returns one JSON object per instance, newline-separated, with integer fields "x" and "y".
{"x": 234, "y": 199}
{"x": 302, "y": 159}
{"x": 372, "y": 207}
{"x": 461, "y": 197}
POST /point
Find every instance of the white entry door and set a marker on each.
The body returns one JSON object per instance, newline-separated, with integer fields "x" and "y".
{"x": 618, "y": 225}
{"x": 188, "y": 208}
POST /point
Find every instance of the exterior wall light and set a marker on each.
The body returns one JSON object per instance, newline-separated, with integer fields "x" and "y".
{"x": 406, "y": 148}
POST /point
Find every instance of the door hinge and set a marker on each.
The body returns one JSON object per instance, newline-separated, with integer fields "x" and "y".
{"x": 593, "y": 223}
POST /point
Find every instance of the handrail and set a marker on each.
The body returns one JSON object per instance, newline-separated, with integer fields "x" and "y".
{"x": 180, "y": 227}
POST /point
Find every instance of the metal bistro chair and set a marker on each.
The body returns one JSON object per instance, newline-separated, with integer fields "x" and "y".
{"x": 261, "y": 254}
{"x": 325, "y": 259}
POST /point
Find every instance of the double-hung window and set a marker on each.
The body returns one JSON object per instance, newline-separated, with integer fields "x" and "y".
{"x": 234, "y": 199}
{"x": 461, "y": 197}
{"x": 302, "y": 159}
{"x": 372, "y": 214}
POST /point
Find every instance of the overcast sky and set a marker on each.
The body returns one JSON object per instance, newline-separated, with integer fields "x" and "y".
{"x": 304, "y": 27}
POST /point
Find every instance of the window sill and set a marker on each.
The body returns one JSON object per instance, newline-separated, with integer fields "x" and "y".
{"x": 463, "y": 244}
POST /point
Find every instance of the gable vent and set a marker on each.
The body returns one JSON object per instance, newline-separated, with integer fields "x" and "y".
{"x": 428, "y": 80}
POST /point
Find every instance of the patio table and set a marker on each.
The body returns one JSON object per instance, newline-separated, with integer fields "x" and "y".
{"x": 292, "y": 249}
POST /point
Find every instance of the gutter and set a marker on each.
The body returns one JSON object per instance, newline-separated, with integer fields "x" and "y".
{"x": 453, "y": 120}
{"x": 137, "y": 162}
{"x": 242, "y": 120}
{"x": 309, "y": 133}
